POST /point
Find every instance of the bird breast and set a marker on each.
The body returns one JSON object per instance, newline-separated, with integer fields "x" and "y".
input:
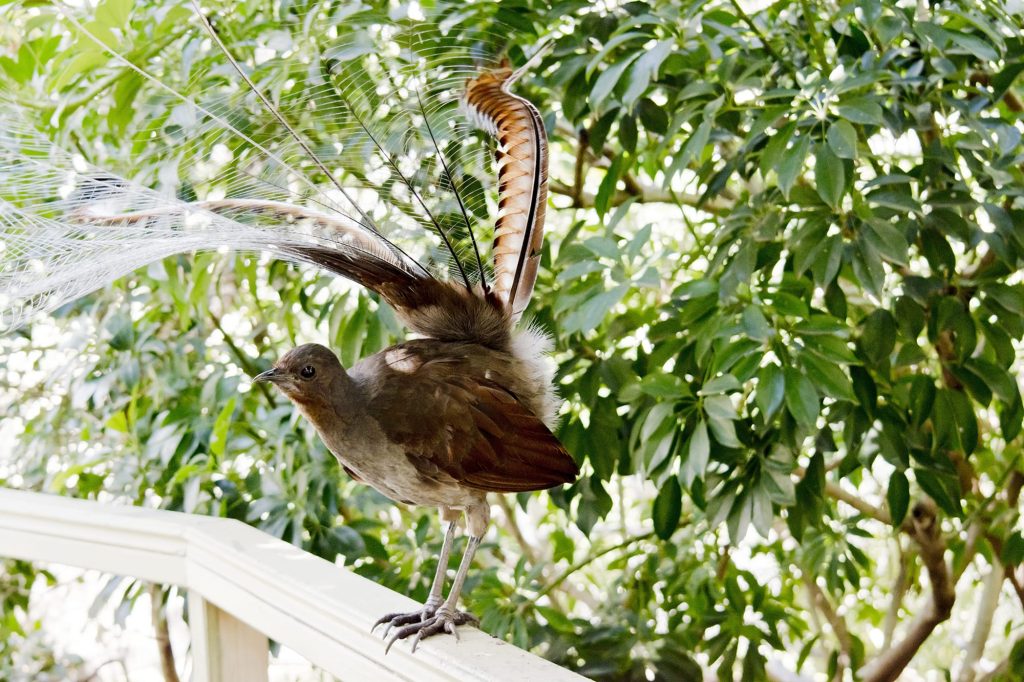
{"x": 365, "y": 452}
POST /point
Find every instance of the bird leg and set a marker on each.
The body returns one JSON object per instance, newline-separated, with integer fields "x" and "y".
{"x": 436, "y": 588}
{"x": 447, "y": 616}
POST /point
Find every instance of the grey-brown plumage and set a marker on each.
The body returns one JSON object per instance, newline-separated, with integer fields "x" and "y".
{"x": 467, "y": 410}
{"x": 433, "y": 423}
{"x": 429, "y": 422}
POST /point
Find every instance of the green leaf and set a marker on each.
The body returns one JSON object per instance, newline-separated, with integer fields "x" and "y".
{"x": 654, "y": 117}
{"x": 761, "y": 509}
{"x": 1011, "y": 419}
{"x": 829, "y": 176}
{"x": 721, "y": 415}
{"x": 1013, "y": 550}
{"x": 697, "y": 455}
{"x": 755, "y": 324}
{"x": 861, "y": 110}
{"x": 664, "y": 386}
{"x": 587, "y": 316}
{"x": 607, "y": 81}
{"x": 668, "y": 507}
{"x": 828, "y": 376}
{"x": 114, "y": 13}
{"x": 644, "y": 70}
{"x": 887, "y": 240}
{"x": 347, "y": 542}
{"x": 118, "y": 422}
{"x": 606, "y": 190}
{"x": 772, "y": 154}
{"x": 879, "y": 335}
{"x": 801, "y": 398}
{"x": 219, "y": 437}
{"x": 898, "y": 497}
{"x": 771, "y": 390}
{"x": 995, "y": 377}
{"x": 791, "y": 163}
{"x": 973, "y": 45}
{"x": 842, "y": 138}
{"x": 922, "y": 398}
{"x": 720, "y": 384}
{"x": 942, "y": 488}
{"x": 694, "y": 146}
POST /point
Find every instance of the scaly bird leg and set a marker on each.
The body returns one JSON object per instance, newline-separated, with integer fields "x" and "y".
{"x": 436, "y": 588}
{"x": 447, "y": 616}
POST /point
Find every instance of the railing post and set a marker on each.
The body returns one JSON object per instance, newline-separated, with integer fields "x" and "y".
{"x": 224, "y": 648}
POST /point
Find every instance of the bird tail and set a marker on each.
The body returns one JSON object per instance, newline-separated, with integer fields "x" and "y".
{"x": 108, "y": 226}
{"x": 522, "y": 160}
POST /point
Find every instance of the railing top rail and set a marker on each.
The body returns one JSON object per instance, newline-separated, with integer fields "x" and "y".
{"x": 318, "y": 609}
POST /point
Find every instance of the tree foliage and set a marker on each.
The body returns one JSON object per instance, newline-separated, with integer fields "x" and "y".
{"x": 782, "y": 278}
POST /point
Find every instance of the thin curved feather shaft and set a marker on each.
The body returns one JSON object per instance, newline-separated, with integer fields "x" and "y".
{"x": 275, "y": 113}
{"x": 347, "y": 231}
{"x": 458, "y": 194}
{"x": 412, "y": 189}
{"x": 522, "y": 161}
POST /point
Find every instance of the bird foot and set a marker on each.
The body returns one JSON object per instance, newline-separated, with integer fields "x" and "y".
{"x": 401, "y": 618}
{"x": 442, "y": 620}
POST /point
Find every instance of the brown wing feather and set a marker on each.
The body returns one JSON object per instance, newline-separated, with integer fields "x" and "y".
{"x": 522, "y": 160}
{"x": 510, "y": 449}
{"x": 490, "y": 440}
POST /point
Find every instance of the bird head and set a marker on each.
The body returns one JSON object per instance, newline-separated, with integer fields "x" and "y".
{"x": 305, "y": 374}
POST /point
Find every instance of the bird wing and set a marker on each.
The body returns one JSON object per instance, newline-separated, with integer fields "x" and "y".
{"x": 455, "y": 423}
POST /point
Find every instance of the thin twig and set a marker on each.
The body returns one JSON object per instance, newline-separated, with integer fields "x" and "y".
{"x": 589, "y": 560}
{"x": 163, "y": 635}
{"x": 835, "y": 621}
{"x": 243, "y": 359}
{"x": 899, "y": 591}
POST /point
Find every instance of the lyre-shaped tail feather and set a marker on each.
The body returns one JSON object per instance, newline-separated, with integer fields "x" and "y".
{"x": 522, "y": 161}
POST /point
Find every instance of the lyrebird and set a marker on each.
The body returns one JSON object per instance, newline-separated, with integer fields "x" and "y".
{"x": 442, "y": 420}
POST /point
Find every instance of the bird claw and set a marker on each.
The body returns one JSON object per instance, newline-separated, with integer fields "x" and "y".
{"x": 443, "y": 620}
{"x": 400, "y": 618}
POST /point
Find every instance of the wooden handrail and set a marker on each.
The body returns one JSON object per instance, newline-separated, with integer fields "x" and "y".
{"x": 319, "y": 610}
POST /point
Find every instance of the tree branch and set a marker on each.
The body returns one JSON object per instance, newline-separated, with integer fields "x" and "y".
{"x": 899, "y": 591}
{"x": 646, "y": 195}
{"x": 982, "y": 622}
{"x": 163, "y": 635}
{"x": 836, "y": 492}
{"x": 924, "y": 529}
{"x": 835, "y": 621}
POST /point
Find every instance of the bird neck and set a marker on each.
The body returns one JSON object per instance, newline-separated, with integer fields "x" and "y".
{"x": 339, "y": 404}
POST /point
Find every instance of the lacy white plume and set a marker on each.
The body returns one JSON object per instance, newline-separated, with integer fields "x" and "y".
{"x": 363, "y": 108}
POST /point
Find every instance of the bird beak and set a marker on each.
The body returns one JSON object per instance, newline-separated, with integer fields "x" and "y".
{"x": 272, "y": 375}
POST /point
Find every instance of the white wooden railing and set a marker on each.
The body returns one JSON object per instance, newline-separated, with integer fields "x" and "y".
{"x": 245, "y": 586}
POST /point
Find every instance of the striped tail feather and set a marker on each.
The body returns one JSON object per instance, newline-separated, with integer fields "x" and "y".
{"x": 522, "y": 161}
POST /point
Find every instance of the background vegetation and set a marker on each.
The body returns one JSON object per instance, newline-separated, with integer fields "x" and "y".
{"x": 782, "y": 278}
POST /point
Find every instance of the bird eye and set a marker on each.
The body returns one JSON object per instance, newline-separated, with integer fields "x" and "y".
{"x": 308, "y": 372}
